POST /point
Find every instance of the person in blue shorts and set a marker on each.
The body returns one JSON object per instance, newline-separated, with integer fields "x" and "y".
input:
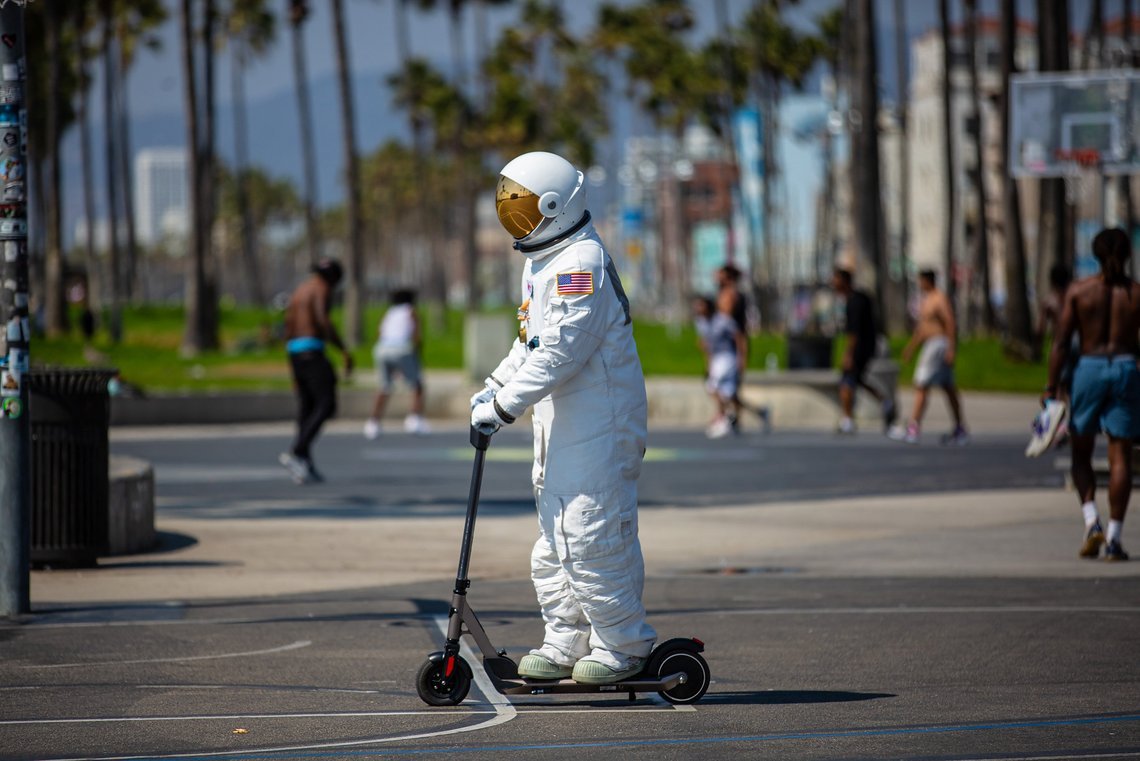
{"x": 1105, "y": 311}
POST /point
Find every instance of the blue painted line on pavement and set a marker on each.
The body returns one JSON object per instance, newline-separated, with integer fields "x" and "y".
{"x": 828, "y": 735}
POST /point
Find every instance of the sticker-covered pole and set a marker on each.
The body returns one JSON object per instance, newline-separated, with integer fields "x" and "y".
{"x": 15, "y": 430}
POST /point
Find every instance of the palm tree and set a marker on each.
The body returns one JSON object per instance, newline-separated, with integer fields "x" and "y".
{"x": 1054, "y": 237}
{"x": 1017, "y": 300}
{"x": 662, "y": 70}
{"x": 298, "y": 12}
{"x": 114, "y": 265}
{"x": 780, "y": 57}
{"x": 135, "y": 23}
{"x": 951, "y": 190}
{"x": 865, "y": 155}
{"x": 899, "y": 308}
{"x": 84, "y": 23}
{"x": 200, "y": 298}
{"x": 55, "y": 304}
{"x": 981, "y": 305}
{"x": 354, "y": 282}
{"x": 250, "y": 28}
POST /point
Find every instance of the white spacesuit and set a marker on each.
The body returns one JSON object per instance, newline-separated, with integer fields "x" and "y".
{"x": 576, "y": 363}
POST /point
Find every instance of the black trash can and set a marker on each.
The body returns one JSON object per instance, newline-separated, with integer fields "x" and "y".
{"x": 70, "y": 413}
{"x": 808, "y": 352}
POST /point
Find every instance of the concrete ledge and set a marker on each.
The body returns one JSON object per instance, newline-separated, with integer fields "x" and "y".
{"x": 130, "y": 520}
{"x": 797, "y": 399}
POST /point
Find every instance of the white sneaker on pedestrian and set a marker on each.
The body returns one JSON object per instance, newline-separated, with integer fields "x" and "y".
{"x": 298, "y": 468}
{"x": 908, "y": 434}
{"x": 719, "y": 428}
{"x": 846, "y": 426}
{"x": 415, "y": 424}
{"x": 371, "y": 428}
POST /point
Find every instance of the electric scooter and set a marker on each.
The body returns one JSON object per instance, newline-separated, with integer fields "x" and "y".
{"x": 674, "y": 669}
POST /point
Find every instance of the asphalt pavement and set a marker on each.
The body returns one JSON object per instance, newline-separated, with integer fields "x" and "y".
{"x": 859, "y": 598}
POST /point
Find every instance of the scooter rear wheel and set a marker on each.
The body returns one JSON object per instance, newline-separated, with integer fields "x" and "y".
{"x": 697, "y": 676}
{"x": 436, "y": 689}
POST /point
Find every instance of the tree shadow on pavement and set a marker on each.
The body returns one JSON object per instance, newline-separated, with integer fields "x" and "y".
{"x": 790, "y": 697}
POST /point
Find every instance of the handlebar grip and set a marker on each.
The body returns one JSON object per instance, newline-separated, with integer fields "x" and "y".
{"x": 480, "y": 438}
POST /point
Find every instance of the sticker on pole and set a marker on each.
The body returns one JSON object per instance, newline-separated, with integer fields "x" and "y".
{"x": 12, "y": 408}
{"x": 9, "y": 382}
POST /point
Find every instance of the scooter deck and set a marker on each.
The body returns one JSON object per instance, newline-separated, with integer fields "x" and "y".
{"x": 566, "y": 686}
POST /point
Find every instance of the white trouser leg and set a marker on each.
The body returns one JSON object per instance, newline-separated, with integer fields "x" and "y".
{"x": 567, "y": 628}
{"x": 600, "y": 572}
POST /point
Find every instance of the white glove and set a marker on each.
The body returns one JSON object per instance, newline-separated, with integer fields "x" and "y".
{"x": 486, "y": 395}
{"x": 484, "y": 416}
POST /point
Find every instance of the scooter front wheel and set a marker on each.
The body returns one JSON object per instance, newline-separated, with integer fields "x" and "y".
{"x": 436, "y": 687}
{"x": 697, "y": 676}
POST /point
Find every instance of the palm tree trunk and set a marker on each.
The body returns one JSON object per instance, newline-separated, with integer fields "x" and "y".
{"x": 194, "y": 339}
{"x": 298, "y": 12}
{"x": 868, "y": 205}
{"x": 208, "y": 173}
{"x": 254, "y": 287}
{"x": 1017, "y": 300}
{"x": 122, "y": 119}
{"x": 951, "y": 188}
{"x": 983, "y": 309}
{"x": 354, "y": 282}
{"x": 902, "y": 295}
{"x": 1054, "y": 227}
{"x": 55, "y": 305}
{"x": 113, "y": 264}
{"x": 94, "y": 281}
{"x": 466, "y": 200}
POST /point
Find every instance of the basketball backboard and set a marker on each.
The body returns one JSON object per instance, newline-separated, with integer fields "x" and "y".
{"x": 1061, "y": 120}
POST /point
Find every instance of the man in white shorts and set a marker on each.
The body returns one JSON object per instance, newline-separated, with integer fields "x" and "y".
{"x": 937, "y": 332}
{"x": 397, "y": 352}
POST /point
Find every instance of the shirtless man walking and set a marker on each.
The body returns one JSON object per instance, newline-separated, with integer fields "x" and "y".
{"x": 937, "y": 333}
{"x": 1105, "y": 310}
{"x": 307, "y": 329}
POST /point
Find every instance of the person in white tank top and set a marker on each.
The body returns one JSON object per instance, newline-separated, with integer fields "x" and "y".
{"x": 397, "y": 352}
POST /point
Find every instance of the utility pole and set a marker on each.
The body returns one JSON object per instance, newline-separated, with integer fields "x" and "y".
{"x": 15, "y": 430}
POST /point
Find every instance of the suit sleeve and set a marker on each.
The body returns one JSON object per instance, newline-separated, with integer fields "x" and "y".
{"x": 575, "y": 324}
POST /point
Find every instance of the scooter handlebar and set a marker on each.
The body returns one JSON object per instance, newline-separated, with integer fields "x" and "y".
{"x": 481, "y": 436}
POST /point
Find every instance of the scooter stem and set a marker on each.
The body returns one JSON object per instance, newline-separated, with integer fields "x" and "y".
{"x": 480, "y": 441}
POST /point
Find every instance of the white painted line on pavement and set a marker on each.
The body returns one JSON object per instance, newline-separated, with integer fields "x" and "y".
{"x": 928, "y": 610}
{"x": 284, "y": 648}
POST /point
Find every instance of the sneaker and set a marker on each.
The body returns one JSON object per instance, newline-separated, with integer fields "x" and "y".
{"x": 733, "y": 424}
{"x": 314, "y": 475}
{"x": 601, "y": 667}
{"x": 908, "y": 434}
{"x": 535, "y": 666}
{"x": 845, "y": 427}
{"x": 765, "y": 416}
{"x": 719, "y": 428}
{"x": 959, "y": 437}
{"x": 1047, "y": 426}
{"x": 371, "y": 428}
{"x": 415, "y": 424}
{"x": 1113, "y": 553}
{"x": 298, "y": 468}
{"x": 890, "y": 413}
{"x": 1094, "y": 538}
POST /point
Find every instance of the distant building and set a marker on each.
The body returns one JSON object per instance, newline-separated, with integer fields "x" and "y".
{"x": 162, "y": 189}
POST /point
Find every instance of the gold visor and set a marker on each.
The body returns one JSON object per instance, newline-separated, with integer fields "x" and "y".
{"x": 517, "y": 208}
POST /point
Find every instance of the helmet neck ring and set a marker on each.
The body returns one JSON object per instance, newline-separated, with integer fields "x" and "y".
{"x": 528, "y": 248}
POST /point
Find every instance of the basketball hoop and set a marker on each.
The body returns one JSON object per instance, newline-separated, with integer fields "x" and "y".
{"x": 1081, "y": 169}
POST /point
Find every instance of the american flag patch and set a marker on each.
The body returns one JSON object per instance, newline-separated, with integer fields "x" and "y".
{"x": 574, "y": 283}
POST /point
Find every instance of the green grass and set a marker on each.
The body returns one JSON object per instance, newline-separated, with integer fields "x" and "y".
{"x": 251, "y": 360}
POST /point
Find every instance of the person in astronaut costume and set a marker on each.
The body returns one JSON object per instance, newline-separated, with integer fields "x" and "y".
{"x": 576, "y": 363}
